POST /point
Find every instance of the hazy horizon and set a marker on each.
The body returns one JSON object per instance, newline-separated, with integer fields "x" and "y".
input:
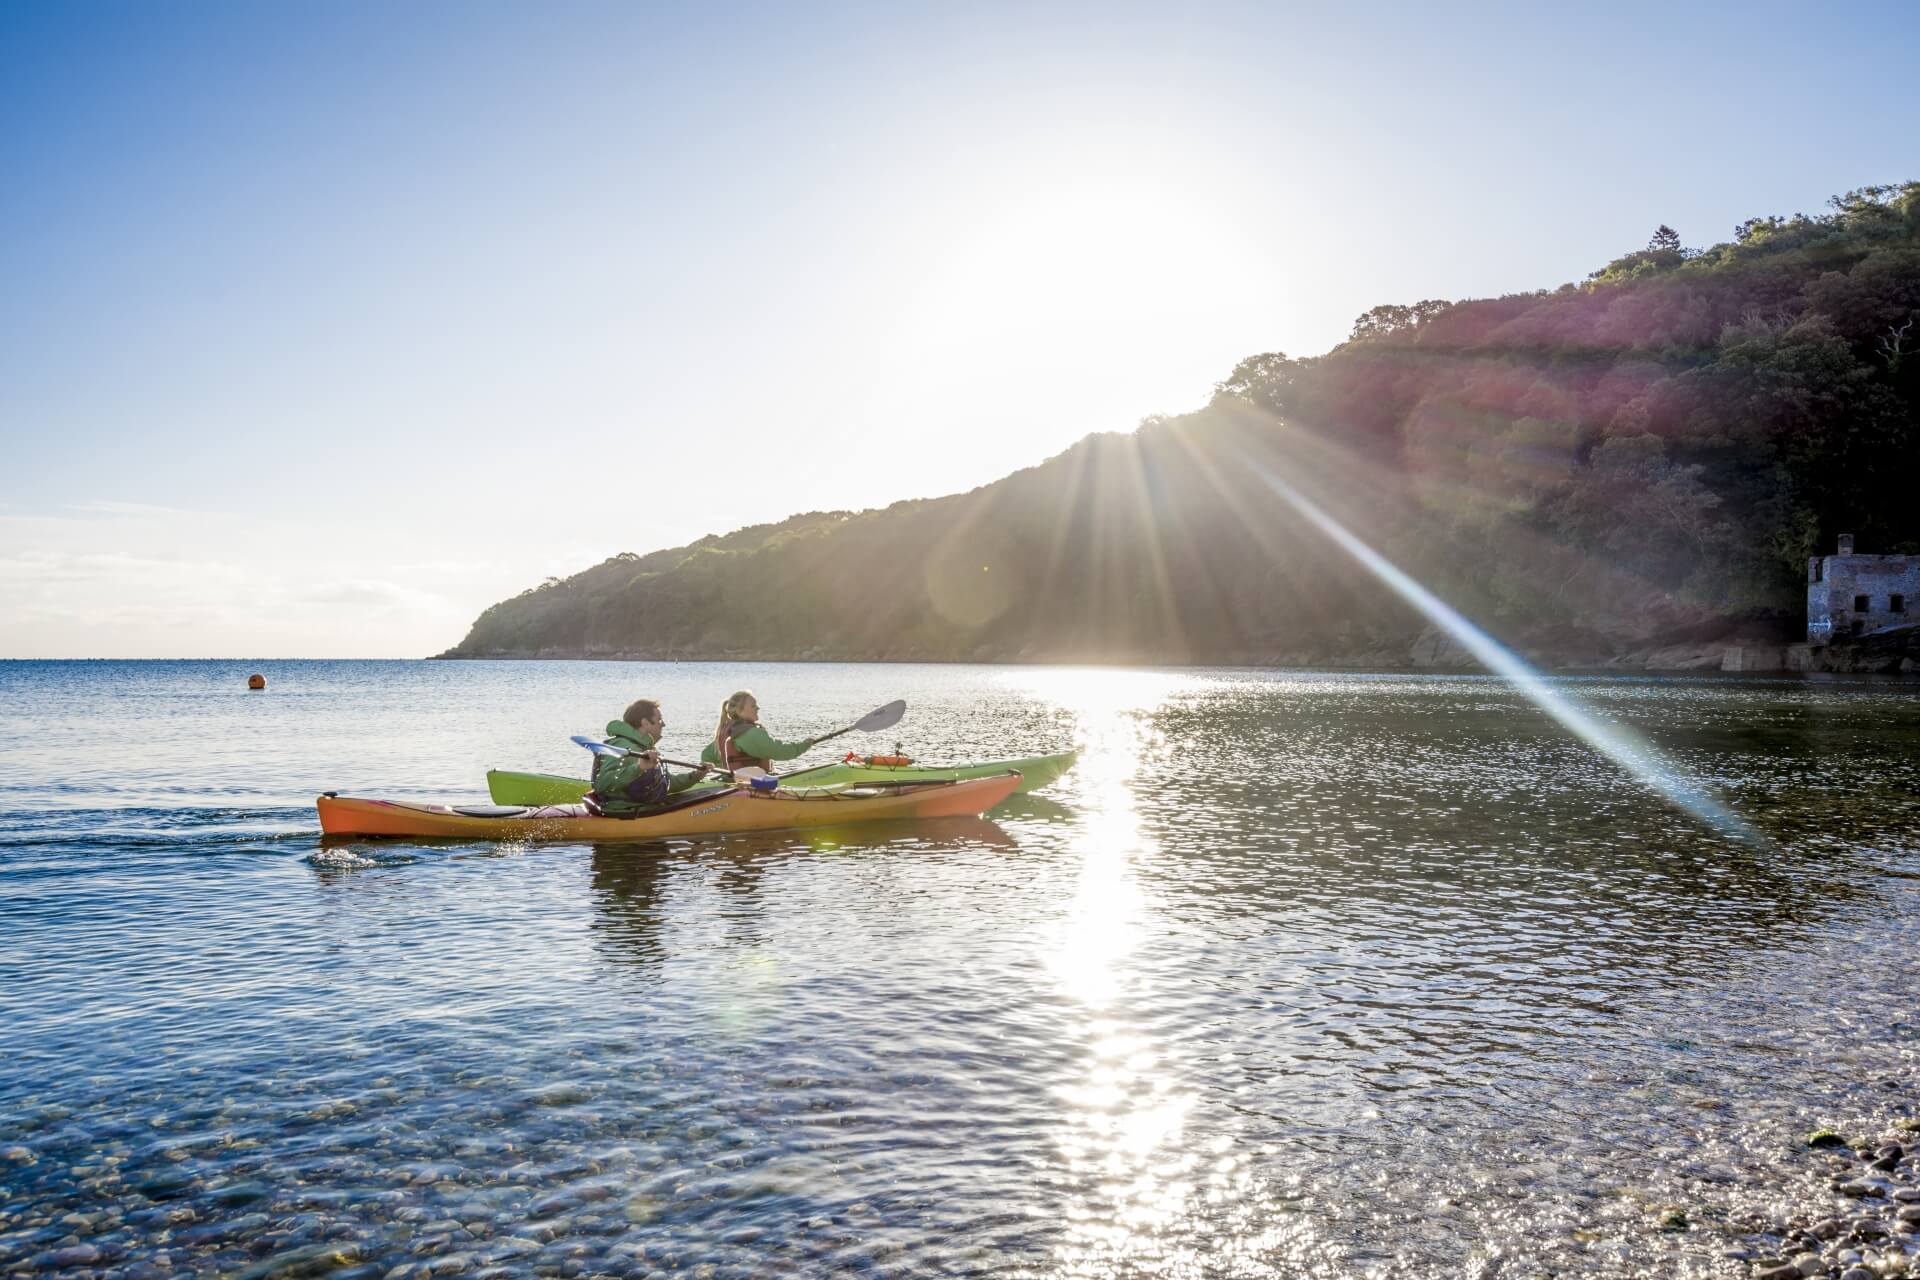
{"x": 329, "y": 326}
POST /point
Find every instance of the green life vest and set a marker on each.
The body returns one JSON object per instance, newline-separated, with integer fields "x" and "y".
{"x": 624, "y": 786}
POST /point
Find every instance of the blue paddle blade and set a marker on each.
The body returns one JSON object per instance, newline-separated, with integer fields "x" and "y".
{"x": 598, "y": 748}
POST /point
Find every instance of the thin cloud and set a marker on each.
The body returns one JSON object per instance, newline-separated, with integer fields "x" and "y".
{"x": 56, "y": 567}
{"x": 111, "y": 507}
{"x": 96, "y": 514}
{"x": 375, "y": 593}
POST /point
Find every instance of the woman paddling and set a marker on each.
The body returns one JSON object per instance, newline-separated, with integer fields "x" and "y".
{"x": 628, "y": 785}
{"x": 739, "y": 741}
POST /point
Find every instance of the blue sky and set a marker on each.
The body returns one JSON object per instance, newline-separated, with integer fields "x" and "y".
{"x": 325, "y": 326}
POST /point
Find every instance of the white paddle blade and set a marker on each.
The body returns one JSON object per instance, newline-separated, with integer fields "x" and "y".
{"x": 598, "y": 748}
{"x": 882, "y": 717}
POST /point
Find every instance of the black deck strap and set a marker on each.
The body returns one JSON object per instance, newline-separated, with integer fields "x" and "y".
{"x": 688, "y": 802}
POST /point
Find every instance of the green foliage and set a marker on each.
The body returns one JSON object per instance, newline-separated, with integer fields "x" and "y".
{"x": 1663, "y": 253}
{"x": 1632, "y": 503}
{"x": 1262, "y": 380}
{"x": 1392, "y": 319}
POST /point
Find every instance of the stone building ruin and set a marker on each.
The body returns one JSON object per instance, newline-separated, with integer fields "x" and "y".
{"x": 1851, "y": 595}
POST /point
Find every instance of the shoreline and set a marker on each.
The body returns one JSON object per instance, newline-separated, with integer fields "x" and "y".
{"x": 1898, "y": 664}
{"x": 1747, "y": 652}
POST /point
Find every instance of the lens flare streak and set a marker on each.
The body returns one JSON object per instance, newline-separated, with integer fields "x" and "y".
{"x": 1622, "y": 746}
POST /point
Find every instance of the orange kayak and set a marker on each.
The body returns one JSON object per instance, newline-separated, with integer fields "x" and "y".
{"x": 736, "y": 809}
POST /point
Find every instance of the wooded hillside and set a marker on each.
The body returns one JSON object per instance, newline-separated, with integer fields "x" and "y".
{"x": 1648, "y": 454}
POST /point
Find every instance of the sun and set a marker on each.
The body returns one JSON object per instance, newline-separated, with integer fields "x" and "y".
{"x": 1048, "y": 269}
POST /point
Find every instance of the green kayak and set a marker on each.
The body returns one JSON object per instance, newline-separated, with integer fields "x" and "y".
{"x": 508, "y": 787}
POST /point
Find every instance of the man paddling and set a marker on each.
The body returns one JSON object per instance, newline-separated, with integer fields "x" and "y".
{"x": 626, "y": 786}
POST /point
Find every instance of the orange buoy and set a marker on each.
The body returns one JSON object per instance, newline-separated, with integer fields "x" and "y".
{"x": 256, "y": 682}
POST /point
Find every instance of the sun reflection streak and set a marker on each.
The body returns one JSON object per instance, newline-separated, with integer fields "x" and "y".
{"x": 1621, "y": 745}
{"x": 1130, "y": 1178}
{"x": 1104, "y": 918}
{"x": 1144, "y": 1188}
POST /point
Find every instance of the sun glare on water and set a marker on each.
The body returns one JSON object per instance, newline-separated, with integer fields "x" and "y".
{"x": 1141, "y": 1190}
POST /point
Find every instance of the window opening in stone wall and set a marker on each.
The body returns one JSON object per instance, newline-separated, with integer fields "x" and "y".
{"x": 1860, "y": 604}
{"x": 1816, "y": 571}
{"x": 1896, "y": 603}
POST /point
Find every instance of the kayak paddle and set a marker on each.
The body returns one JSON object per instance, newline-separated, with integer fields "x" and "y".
{"x": 608, "y": 749}
{"x": 873, "y": 722}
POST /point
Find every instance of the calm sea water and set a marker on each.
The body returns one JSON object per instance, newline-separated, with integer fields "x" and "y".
{"x": 1296, "y": 974}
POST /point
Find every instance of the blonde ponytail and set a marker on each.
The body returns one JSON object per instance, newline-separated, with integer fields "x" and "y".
{"x": 740, "y": 698}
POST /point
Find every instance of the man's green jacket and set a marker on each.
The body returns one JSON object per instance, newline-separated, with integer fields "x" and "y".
{"x": 624, "y": 785}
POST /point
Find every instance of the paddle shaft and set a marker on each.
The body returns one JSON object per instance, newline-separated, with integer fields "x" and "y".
{"x": 873, "y": 722}
{"x": 735, "y": 774}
